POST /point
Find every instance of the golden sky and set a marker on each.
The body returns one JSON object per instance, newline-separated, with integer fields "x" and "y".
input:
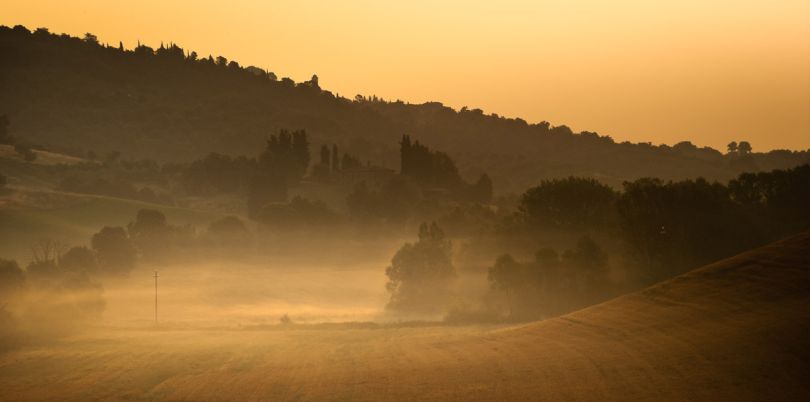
{"x": 659, "y": 71}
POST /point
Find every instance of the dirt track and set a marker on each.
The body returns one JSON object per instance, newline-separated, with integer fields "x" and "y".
{"x": 734, "y": 330}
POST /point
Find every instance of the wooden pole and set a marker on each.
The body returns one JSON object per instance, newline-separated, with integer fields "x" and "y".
{"x": 156, "y": 278}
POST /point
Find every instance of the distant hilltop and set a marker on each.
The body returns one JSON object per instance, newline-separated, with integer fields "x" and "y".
{"x": 76, "y": 95}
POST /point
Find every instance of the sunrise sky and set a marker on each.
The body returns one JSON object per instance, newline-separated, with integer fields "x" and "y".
{"x": 705, "y": 71}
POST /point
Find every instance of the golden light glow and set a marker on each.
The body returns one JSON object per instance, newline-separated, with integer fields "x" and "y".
{"x": 709, "y": 72}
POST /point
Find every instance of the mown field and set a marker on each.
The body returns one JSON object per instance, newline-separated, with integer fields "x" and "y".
{"x": 734, "y": 330}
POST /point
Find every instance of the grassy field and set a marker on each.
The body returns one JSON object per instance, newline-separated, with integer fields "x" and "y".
{"x": 732, "y": 331}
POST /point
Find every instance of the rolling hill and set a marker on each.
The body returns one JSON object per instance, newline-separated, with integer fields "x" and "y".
{"x": 75, "y": 95}
{"x": 733, "y": 330}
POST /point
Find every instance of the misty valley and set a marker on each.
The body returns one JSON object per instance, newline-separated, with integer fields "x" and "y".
{"x": 176, "y": 227}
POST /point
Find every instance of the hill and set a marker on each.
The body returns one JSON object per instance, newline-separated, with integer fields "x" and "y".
{"x": 733, "y": 330}
{"x": 75, "y": 95}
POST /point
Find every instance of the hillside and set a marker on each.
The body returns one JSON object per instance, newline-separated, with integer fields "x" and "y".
{"x": 733, "y": 330}
{"x": 168, "y": 104}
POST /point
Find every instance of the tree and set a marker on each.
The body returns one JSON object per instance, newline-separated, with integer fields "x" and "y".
{"x": 573, "y": 202}
{"x": 79, "y": 259}
{"x": 114, "y": 250}
{"x": 428, "y": 167}
{"x": 744, "y": 147}
{"x": 732, "y": 147}
{"x": 287, "y": 153}
{"x": 507, "y": 275}
{"x": 151, "y": 234}
{"x": 420, "y": 273}
{"x": 314, "y": 82}
{"x": 550, "y": 280}
{"x": 588, "y": 262}
{"x": 671, "y": 227}
{"x": 777, "y": 199}
{"x": 90, "y": 38}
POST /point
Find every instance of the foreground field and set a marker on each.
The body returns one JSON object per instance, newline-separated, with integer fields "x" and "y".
{"x": 734, "y": 330}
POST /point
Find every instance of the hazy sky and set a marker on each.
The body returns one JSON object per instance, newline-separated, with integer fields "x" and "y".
{"x": 705, "y": 71}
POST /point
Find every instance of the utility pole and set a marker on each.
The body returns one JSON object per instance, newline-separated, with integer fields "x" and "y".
{"x": 156, "y": 278}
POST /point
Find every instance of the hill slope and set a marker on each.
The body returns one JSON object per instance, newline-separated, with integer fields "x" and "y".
{"x": 734, "y": 330}
{"x": 79, "y": 96}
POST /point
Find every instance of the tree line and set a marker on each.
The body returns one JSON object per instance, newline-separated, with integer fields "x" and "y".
{"x": 665, "y": 228}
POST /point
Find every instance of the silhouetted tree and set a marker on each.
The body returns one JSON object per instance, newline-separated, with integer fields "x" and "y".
{"x": 420, "y": 273}
{"x": 551, "y": 280}
{"x": 432, "y": 168}
{"x": 732, "y": 147}
{"x": 288, "y": 153}
{"x": 114, "y": 250}
{"x": 151, "y": 234}
{"x": 79, "y": 259}
{"x": 589, "y": 262}
{"x": 313, "y": 82}
{"x": 572, "y": 202}
{"x": 744, "y": 147}
{"x": 778, "y": 199}
{"x": 507, "y": 275}
{"x": 675, "y": 226}
{"x": 90, "y": 38}
{"x": 321, "y": 170}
